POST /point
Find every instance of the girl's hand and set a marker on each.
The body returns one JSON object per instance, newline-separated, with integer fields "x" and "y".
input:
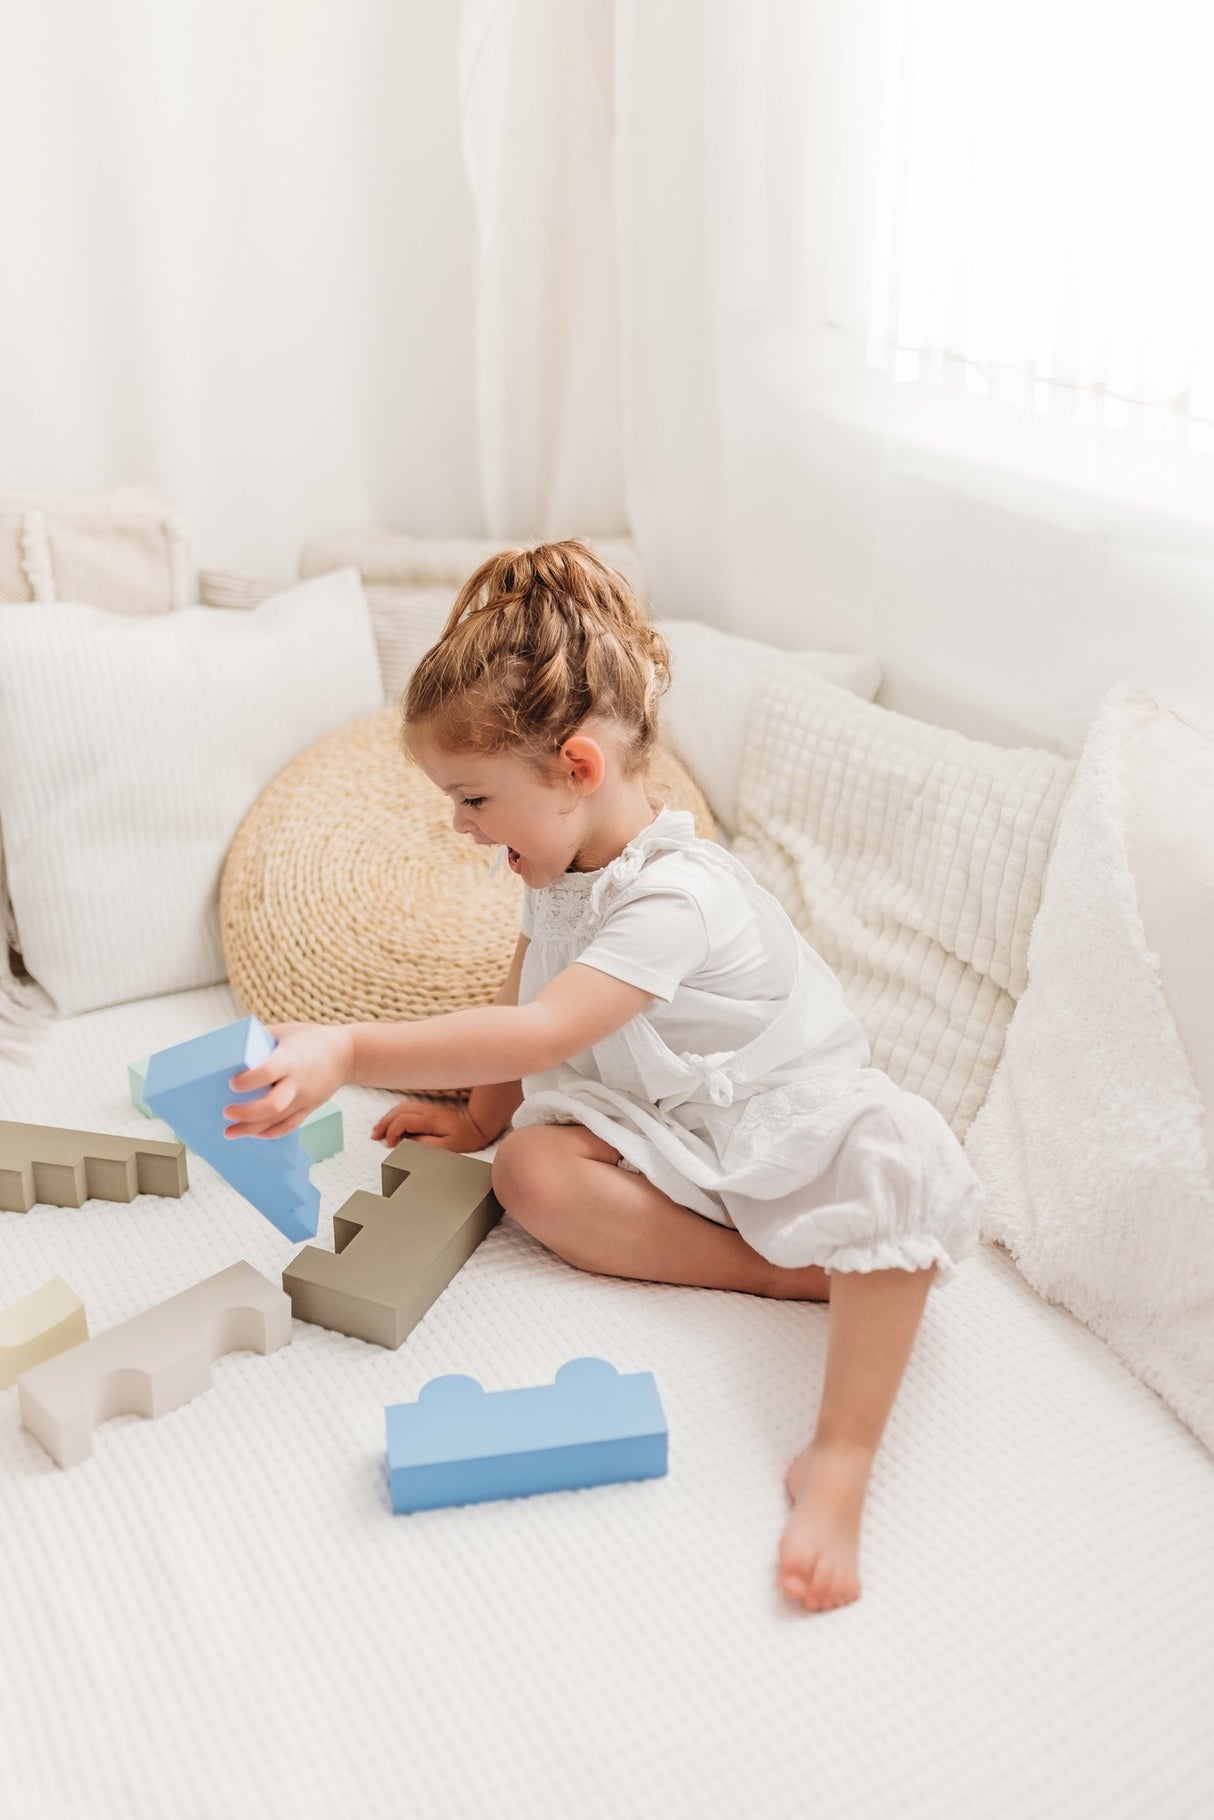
{"x": 429, "y": 1122}
{"x": 309, "y": 1064}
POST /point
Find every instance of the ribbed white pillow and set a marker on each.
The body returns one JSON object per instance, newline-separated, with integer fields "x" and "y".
{"x": 912, "y": 858}
{"x": 130, "y": 751}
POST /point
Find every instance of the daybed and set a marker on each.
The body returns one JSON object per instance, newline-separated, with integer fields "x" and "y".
{"x": 218, "y": 1614}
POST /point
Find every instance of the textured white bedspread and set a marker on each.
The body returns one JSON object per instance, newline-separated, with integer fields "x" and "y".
{"x": 218, "y": 1614}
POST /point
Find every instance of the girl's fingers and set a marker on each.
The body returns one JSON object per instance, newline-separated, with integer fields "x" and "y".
{"x": 265, "y": 1073}
{"x": 279, "y": 1128}
{"x": 273, "y": 1104}
{"x": 396, "y": 1123}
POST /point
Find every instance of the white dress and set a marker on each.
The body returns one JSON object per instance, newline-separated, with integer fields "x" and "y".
{"x": 744, "y": 1090}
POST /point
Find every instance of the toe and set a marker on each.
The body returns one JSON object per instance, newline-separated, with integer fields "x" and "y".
{"x": 822, "y": 1584}
{"x": 794, "y": 1581}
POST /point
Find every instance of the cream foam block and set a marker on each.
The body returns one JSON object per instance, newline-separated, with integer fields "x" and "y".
{"x": 152, "y": 1363}
{"x": 44, "y": 1324}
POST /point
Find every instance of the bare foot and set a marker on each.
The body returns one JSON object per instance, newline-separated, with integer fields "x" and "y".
{"x": 820, "y": 1547}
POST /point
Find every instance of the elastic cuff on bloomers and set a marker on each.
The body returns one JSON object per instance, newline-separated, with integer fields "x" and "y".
{"x": 900, "y": 1254}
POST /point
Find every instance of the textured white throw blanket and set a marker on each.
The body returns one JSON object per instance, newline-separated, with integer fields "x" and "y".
{"x": 1090, "y": 1145}
{"x": 218, "y": 1614}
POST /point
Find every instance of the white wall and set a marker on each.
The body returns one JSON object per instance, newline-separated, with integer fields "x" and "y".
{"x": 1001, "y": 605}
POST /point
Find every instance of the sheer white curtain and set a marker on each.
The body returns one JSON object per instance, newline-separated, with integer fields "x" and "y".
{"x": 882, "y": 323}
{"x": 536, "y": 113}
{"x": 238, "y": 263}
{"x": 918, "y": 336}
{"x": 308, "y": 264}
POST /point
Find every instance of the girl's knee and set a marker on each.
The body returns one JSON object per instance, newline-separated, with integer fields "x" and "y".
{"x": 525, "y": 1175}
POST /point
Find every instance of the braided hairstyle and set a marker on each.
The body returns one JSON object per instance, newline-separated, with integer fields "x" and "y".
{"x": 537, "y": 642}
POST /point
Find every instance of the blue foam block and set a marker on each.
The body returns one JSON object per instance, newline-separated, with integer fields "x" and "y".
{"x": 187, "y": 1086}
{"x": 460, "y": 1444}
{"x": 321, "y": 1134}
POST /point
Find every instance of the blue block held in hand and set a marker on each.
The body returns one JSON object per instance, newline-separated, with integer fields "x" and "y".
{"x": 460, "y": 1444}
{"x": 322, "y": 1133}
{"x": 187, "y": 1086}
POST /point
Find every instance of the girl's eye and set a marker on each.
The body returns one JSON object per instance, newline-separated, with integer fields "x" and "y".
{"x": 473, "y": 802}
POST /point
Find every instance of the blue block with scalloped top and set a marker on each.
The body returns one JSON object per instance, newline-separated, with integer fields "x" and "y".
{"x": 460, "y": 1444}
{"x": 187, "y": 1086}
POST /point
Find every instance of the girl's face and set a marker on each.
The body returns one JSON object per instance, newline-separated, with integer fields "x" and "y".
{"x": 499, "y": 801}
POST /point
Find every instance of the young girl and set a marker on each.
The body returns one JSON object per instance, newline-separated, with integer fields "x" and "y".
{"x": 689, "y": 1098}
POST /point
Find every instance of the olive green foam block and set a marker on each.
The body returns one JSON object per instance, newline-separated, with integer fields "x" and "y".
{"x": 394, "y": 1253}
{"x": 66, "y": 1168}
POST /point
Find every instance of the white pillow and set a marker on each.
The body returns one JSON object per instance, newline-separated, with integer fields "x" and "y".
{"x": 912, "y": 858}
{"x": 406, "y": 620}
{"x": 131, "y": 749}
{"x": 704, "y": 712}
{"x": 1093, "y": 1144}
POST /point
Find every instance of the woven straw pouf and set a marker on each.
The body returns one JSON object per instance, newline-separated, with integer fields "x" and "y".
{"x": 347, "y": 896}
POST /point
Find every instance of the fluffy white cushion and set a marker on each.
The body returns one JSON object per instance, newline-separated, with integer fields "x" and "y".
{"x": 912, "y": 858}
{"x": 131, "y": 749}
{"x": 712, "y": 675}
{"x": 1093, "y": 1144}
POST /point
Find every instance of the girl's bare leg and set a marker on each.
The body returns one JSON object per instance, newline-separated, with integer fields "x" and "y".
{"x": 562, "y": 1184}
{"x": 874, "y": 1317}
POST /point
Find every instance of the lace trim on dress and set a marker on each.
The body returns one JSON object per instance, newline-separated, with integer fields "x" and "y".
{"x": 576, "y": 903}
{"x": 559, "y": 910}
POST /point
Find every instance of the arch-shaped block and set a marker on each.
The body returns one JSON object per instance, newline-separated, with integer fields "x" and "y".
{"x": 152, "y": 1363}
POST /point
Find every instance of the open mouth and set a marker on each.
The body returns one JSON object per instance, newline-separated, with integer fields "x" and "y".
{"x": 514, "y": 858}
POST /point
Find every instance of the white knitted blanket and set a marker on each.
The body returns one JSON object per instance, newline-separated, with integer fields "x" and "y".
{"x": 217, "y": 1617}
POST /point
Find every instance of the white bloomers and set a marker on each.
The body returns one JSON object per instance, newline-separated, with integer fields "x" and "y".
{"x": 781, "y": 1129}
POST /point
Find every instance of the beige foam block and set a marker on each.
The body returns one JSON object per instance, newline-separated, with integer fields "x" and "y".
{"x": 65, "y": 1168}
{"x": 152, "y": 1363}
{"x": 45, "y": 1323}
{"x": 395, "y": 1253}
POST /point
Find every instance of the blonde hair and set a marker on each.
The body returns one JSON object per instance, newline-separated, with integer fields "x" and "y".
{"x": 535, "y": 642}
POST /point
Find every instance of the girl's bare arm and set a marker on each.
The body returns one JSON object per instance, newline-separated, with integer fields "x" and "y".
{"x": 492, "y": 1107}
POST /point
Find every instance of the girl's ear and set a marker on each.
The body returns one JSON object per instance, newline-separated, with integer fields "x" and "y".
{"x": 583, "y": 757}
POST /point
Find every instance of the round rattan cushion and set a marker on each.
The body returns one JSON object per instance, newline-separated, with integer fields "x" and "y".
{"x": 347, "y": 896}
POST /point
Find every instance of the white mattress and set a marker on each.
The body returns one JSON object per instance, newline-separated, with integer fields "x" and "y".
{"x": 218, "y": 1614}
